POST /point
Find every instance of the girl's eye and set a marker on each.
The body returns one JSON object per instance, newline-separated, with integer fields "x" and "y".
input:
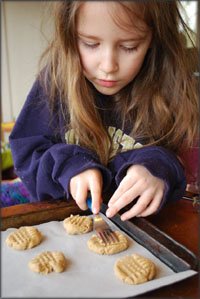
{"x": 129, "y": 49}
{"x": 90, "y": 45}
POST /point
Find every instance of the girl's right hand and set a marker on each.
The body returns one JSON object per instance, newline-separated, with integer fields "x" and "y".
{"x": 88, "y": 180}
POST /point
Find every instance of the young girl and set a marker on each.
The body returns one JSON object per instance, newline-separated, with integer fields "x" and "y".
{"x": 112, "y": 108}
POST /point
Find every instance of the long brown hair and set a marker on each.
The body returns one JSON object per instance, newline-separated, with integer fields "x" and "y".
{"x": 161, "y": 102}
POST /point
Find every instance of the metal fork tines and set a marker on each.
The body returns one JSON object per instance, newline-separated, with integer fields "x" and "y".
{"x": 108, "y": 236}
{"x": 104, "y": 231}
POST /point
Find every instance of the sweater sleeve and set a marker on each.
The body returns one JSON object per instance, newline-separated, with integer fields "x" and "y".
{"x": 44, "y": 163}
{"x": 161, "y": 162}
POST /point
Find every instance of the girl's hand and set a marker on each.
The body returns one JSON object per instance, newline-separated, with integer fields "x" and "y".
{"x": 88, "y": 180}
{"x": 138, "y": 183}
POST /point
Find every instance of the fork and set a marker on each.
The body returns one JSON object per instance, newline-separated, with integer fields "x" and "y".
{"x": 103, "y": 230}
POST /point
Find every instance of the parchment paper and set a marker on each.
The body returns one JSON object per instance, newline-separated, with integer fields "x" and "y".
{"x": 88, "y": 274}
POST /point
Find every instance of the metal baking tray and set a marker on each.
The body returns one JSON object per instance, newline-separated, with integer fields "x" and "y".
{"x": 173, "y": 254}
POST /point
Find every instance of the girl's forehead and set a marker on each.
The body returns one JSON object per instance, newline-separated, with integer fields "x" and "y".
{"x": 126, "y": 16}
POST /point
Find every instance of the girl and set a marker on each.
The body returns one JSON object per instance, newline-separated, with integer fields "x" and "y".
{"x": 111, "y": 109}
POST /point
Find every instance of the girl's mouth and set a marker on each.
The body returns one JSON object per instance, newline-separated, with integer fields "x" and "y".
{"x": 106, "y": 83}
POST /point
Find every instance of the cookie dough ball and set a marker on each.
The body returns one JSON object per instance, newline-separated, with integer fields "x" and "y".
{"x": 76, "y": 225}
{"x": 96, "y": 244}
{"x": 24, "y": 238}
{"x": 134, "y": 269}
{"x": 48, "y": 261}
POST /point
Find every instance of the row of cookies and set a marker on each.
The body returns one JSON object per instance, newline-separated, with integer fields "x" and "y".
{"x": 27, "y": 237}
{"x": 133, "y": 269}
{"x": 76, "y": 225}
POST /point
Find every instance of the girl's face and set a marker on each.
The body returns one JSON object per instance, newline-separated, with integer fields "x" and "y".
{"x": 111, "y": 55}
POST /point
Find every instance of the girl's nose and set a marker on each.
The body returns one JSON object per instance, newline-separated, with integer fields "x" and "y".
{"x": 109, "y": 62}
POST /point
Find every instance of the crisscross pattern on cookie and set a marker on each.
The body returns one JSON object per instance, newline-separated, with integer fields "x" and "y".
{"x": 48, "y": 261}
{"x": 97, "y": 245}
{"x": 23, "y": 238}
{"x": 76, "y": 224}
{"x": 135, "y": 269}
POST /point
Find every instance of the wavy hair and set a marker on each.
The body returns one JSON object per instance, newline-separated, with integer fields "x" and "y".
{"x": 161, "y": 102}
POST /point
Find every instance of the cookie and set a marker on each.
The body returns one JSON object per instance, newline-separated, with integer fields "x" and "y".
{"x": 24, "y": 238}
{"x": 134, "y": 269}
{"x": 48, "y": 261}
{"x": 76, "y": 224}
{"x": 96, "y": 245}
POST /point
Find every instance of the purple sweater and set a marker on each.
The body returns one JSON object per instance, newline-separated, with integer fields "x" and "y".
{"x": 46, "y": 162}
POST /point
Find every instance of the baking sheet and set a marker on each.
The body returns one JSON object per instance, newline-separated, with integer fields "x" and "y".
{"x": 88, "y": 274}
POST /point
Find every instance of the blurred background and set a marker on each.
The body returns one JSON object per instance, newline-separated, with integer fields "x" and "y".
{"x": 25, "y": 31}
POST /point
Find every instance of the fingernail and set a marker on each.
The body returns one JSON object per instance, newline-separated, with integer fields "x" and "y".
{"x": 95, "y": 211}
{"x": 108, "y": 213}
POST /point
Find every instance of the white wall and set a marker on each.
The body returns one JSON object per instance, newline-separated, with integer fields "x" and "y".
{"x": 189, "y": 14}
{"x": 24, "y": 24}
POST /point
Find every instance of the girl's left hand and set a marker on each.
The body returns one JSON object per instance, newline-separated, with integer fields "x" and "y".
{"x": 138, "y": 183}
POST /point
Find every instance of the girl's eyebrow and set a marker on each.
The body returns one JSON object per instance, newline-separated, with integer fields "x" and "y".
{"x": 138, "y": 38}
{"x": 88, "y": 36}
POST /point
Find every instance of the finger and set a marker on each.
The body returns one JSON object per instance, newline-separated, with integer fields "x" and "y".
{"x": 124, "y": 200}
{"x": 81, "y": 196}
{"x": 124, "y": 186}
{"x": 153, "y": 206}
{"x": 139, "y": 207}
{"x": 73, "y": 194}
{"x": 96, "y": 198}
{"x": 95, "y": 186}
{"x": 72, "y": 189}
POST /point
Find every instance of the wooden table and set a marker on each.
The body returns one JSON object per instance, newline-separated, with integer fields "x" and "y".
{"x": 179, "y": 220}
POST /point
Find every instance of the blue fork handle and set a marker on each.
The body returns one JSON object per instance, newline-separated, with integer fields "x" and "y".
{"x": 89, "y": 203}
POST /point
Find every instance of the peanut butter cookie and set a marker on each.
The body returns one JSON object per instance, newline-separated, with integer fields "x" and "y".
{"x": 135, "y": 269}
{"x": 76, "y": 224}
{"x": 97, "y": 245}
{"x": 24, "y": 238}
{"x": 47, "y": 262}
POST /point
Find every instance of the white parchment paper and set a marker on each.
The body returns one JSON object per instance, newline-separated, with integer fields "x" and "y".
{"x": 88, "y": 275}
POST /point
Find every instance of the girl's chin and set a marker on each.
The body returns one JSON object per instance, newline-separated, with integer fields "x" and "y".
{"x": 106, "y": 90}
